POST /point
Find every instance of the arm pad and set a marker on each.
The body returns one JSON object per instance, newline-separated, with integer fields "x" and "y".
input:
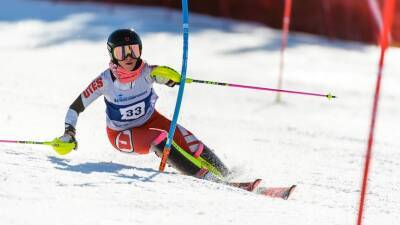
{"x": 165, "y": 73}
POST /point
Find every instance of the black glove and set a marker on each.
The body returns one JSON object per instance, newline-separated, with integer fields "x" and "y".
{"x": 171, "y": 83}
{"x": 69, "y": 135}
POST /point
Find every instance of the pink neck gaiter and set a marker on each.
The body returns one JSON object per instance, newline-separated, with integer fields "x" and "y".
{"x": 123, "y": 75}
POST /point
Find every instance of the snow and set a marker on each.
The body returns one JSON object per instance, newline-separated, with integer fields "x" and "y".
{"x": 51, "y": 51}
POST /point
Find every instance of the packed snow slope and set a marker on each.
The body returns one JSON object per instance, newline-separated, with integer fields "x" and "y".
{"x": 50, "y": 52}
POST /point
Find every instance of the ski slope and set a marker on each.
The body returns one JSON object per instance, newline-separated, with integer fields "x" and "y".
{"x": 51, "y": 51}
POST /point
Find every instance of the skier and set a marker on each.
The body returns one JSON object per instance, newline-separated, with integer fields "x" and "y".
{"x": 134, "y": 126}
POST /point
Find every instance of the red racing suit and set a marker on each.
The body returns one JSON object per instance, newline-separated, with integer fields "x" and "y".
{"x": 133, "y": 124}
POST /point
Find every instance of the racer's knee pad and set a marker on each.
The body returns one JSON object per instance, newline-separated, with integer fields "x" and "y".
{"x": 176, "y": 159}
{"x": 186, "y": 165}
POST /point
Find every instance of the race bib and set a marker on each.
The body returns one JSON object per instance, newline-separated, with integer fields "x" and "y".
{"x": 133, "y": 111}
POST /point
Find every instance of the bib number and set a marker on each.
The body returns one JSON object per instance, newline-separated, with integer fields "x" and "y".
{"x": 133, "y": 111}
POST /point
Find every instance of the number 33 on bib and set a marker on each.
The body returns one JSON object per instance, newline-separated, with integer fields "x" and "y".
{"x": 133, "y": 111}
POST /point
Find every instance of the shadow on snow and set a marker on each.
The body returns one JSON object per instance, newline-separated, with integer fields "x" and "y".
{"x": 104, "y": 167}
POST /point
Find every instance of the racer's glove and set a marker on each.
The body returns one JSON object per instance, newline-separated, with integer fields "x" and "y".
{"x": 69, "y": 135}
{"x": 67, "y": 142}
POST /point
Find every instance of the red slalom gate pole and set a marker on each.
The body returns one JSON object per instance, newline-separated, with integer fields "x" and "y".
{"x": 285, "y": 31}
{"x": 384, "y": 42}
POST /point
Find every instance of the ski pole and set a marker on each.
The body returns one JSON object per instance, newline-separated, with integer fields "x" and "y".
{"x": 190, "y": 80}
{"x": 59, "y": 146}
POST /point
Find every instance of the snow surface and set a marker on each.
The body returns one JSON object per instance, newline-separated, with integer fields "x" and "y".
{"x": 51, "y": 51}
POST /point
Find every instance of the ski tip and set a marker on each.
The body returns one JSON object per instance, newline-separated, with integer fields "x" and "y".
{"x": 248, "y": 186}
{"x": 256, "y": 183}
{"x": 276, "y": 192}
{"x": 289, "y": 192}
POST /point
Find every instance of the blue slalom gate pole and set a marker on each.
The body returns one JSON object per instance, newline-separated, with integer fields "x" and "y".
{"x": 185, "y": 26}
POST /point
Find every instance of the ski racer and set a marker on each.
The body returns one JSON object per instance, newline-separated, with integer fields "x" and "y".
{"x": 134, "y": 125}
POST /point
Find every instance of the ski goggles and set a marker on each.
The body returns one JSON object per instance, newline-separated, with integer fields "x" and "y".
{"x": 122, "y": 52}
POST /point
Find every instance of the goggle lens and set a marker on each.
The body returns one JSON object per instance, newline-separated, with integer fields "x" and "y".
{"x": 122, "y": 52}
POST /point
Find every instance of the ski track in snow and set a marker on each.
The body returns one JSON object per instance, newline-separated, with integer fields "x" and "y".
{"x": 51, "y": 51}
